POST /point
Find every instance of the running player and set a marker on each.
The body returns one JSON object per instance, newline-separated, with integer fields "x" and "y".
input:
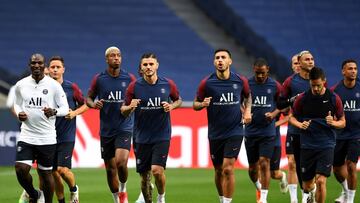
{"x": 347, "y": 149}
{"x": 221, "y": 93}
{"x": 151, "y": 98}
{"x": 115, "y": 130}
{"x": 38, "y": 99}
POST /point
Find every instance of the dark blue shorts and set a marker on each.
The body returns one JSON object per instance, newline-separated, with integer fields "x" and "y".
{"x": 292, "y": 143}
{"x": 110, "y": 144}
{"x": 260, "y": 146}
{"x": 224, "y": 148}
{"x": 151, "y": 154}
{"x": 63, "y": 154}
{"x": 316, "y": 161}
{"x": 275, "y": 159}
{"x": 43, "y": 154}
{"x": 346, "y": 149}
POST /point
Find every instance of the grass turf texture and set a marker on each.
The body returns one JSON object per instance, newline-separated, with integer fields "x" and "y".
{"x": 183, "y": 185}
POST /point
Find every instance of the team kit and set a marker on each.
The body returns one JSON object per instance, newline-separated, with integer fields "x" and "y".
{"x": 323, "y": 127}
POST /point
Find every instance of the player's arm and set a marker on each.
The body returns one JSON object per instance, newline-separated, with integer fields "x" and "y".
{"x": 170, "y": 106}
{"x": 271, "y": 115}
{"x": 72, "y": 114}
{"x": 61, "y": 103}
{"x": 19, "y": 112}
{"x": 126, "y": 110}
{"x": 247, "y": 109}
{"x": 338, "y": 120}
{"x": 79, "y": 98}
{"x": 198, "y": 105}
{"x": 92, "y": 94}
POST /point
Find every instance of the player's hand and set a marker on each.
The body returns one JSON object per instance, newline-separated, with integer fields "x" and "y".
{"x": 329, "y": 119}
{"x": 49, "y": 112}
{"x": 70, "y": 115}
{"x": 22, "y": 116}
{"x": 247, "y": 117}
{"x": 269, "y": 116}
{"x": 99, "y": 104}
{"x": 167, "y": 107}
{"x": 134, "y": 103}
{"x": 304, "y": 125}
{"x": 206, "y": 102}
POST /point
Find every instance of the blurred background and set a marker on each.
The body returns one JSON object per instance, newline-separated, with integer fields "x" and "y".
{"x": 183, "y": 34}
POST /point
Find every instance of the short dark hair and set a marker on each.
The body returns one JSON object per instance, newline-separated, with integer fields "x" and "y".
{"x": 317, "y": 73}
{"x": 149, "y": 55}
{"x": 347, "y": 61}
{"x": 219, "y": 50}
{"x": 260, "y": 62}
{"x": 57, "y": 58}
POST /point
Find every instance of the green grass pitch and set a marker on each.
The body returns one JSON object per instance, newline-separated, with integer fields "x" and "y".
{"x": 182, "y": 186}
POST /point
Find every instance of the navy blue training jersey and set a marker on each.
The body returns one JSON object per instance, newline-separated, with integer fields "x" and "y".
{"x": 224, "y": 115}
{"x": 319, "y": 134}
{"x": 152, "y": 124}
{"x": 264, "y": 98}
{"x": 351, "y": 100}
{"x": 112, "y": 90}
{"x": 66, "y": 129}
{"x": 293, "y": 86}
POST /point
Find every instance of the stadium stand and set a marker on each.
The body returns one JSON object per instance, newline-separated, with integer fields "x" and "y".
{"x": 278, "y": 29}
{"x": 80, "y": 31}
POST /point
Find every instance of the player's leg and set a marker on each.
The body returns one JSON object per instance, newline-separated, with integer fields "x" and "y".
{"x": 108, "y": 154}
{"x": 353, "y": 153}
{"x": 45, "y": 162}
{"x": 275, "y": 171}
{"x": 160, "y": 153}
{"x": 320, "y": 188}
{"x": 64, "y": 169}
{"x": 308, "y": 163}
{"x": 216, "y": 154}
{"x": 122, "y": 145}
{"x": 146, "y": 188}
{"x": 252, "y": 151}
{"x": 24, "y": 159}
{"x": 143, "y": 167}
{"x": 232, "y": 147}
{"x": 266, "y": 149}
{"x": 292, "y": 176}
{"x": 340, "y": 169}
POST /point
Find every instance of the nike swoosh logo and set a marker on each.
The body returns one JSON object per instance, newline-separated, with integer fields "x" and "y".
{"x": 325, "y": 101}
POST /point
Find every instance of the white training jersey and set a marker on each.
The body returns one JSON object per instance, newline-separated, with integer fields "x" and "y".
{"x": 32, "y": 98}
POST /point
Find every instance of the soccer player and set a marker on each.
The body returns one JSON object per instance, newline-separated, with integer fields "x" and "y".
{"x": 317, "y": 112}
{"x": 115, "y": 129}
{"x": 65, "y": 131}
{"x": 292, "y": 86}
{"x": 347, "y": 149}
{"x": 151, "y": 98}
{"x": 295, "y": 65}
{"x": 222, "y": 93}
{"x": 260, "y": 133}
{"x": 38, "y": 99}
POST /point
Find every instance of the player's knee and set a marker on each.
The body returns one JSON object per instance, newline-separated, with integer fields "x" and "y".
{"x": 21, "y": 169}
{"x": 228, "y": 170}
{"x": 264, "y": 162}
{"x": 351, "y": 167}
{"x": 321, "y": 181}
{"x": 62, "y": 170}
{"x": 273, "y": 174}
{"x": 292, "y": 165}
{"x": 157, "y": 171}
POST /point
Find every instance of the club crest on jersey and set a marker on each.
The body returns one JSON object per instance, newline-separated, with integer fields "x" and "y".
{"x": 162, "y": 90}
{"x": 357, "y": 95}
{"x": 268, "y": 91}
{"x": 235, "y": 86}
{"x": 45, "y": 91}
{"x": 123, "y": 84}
